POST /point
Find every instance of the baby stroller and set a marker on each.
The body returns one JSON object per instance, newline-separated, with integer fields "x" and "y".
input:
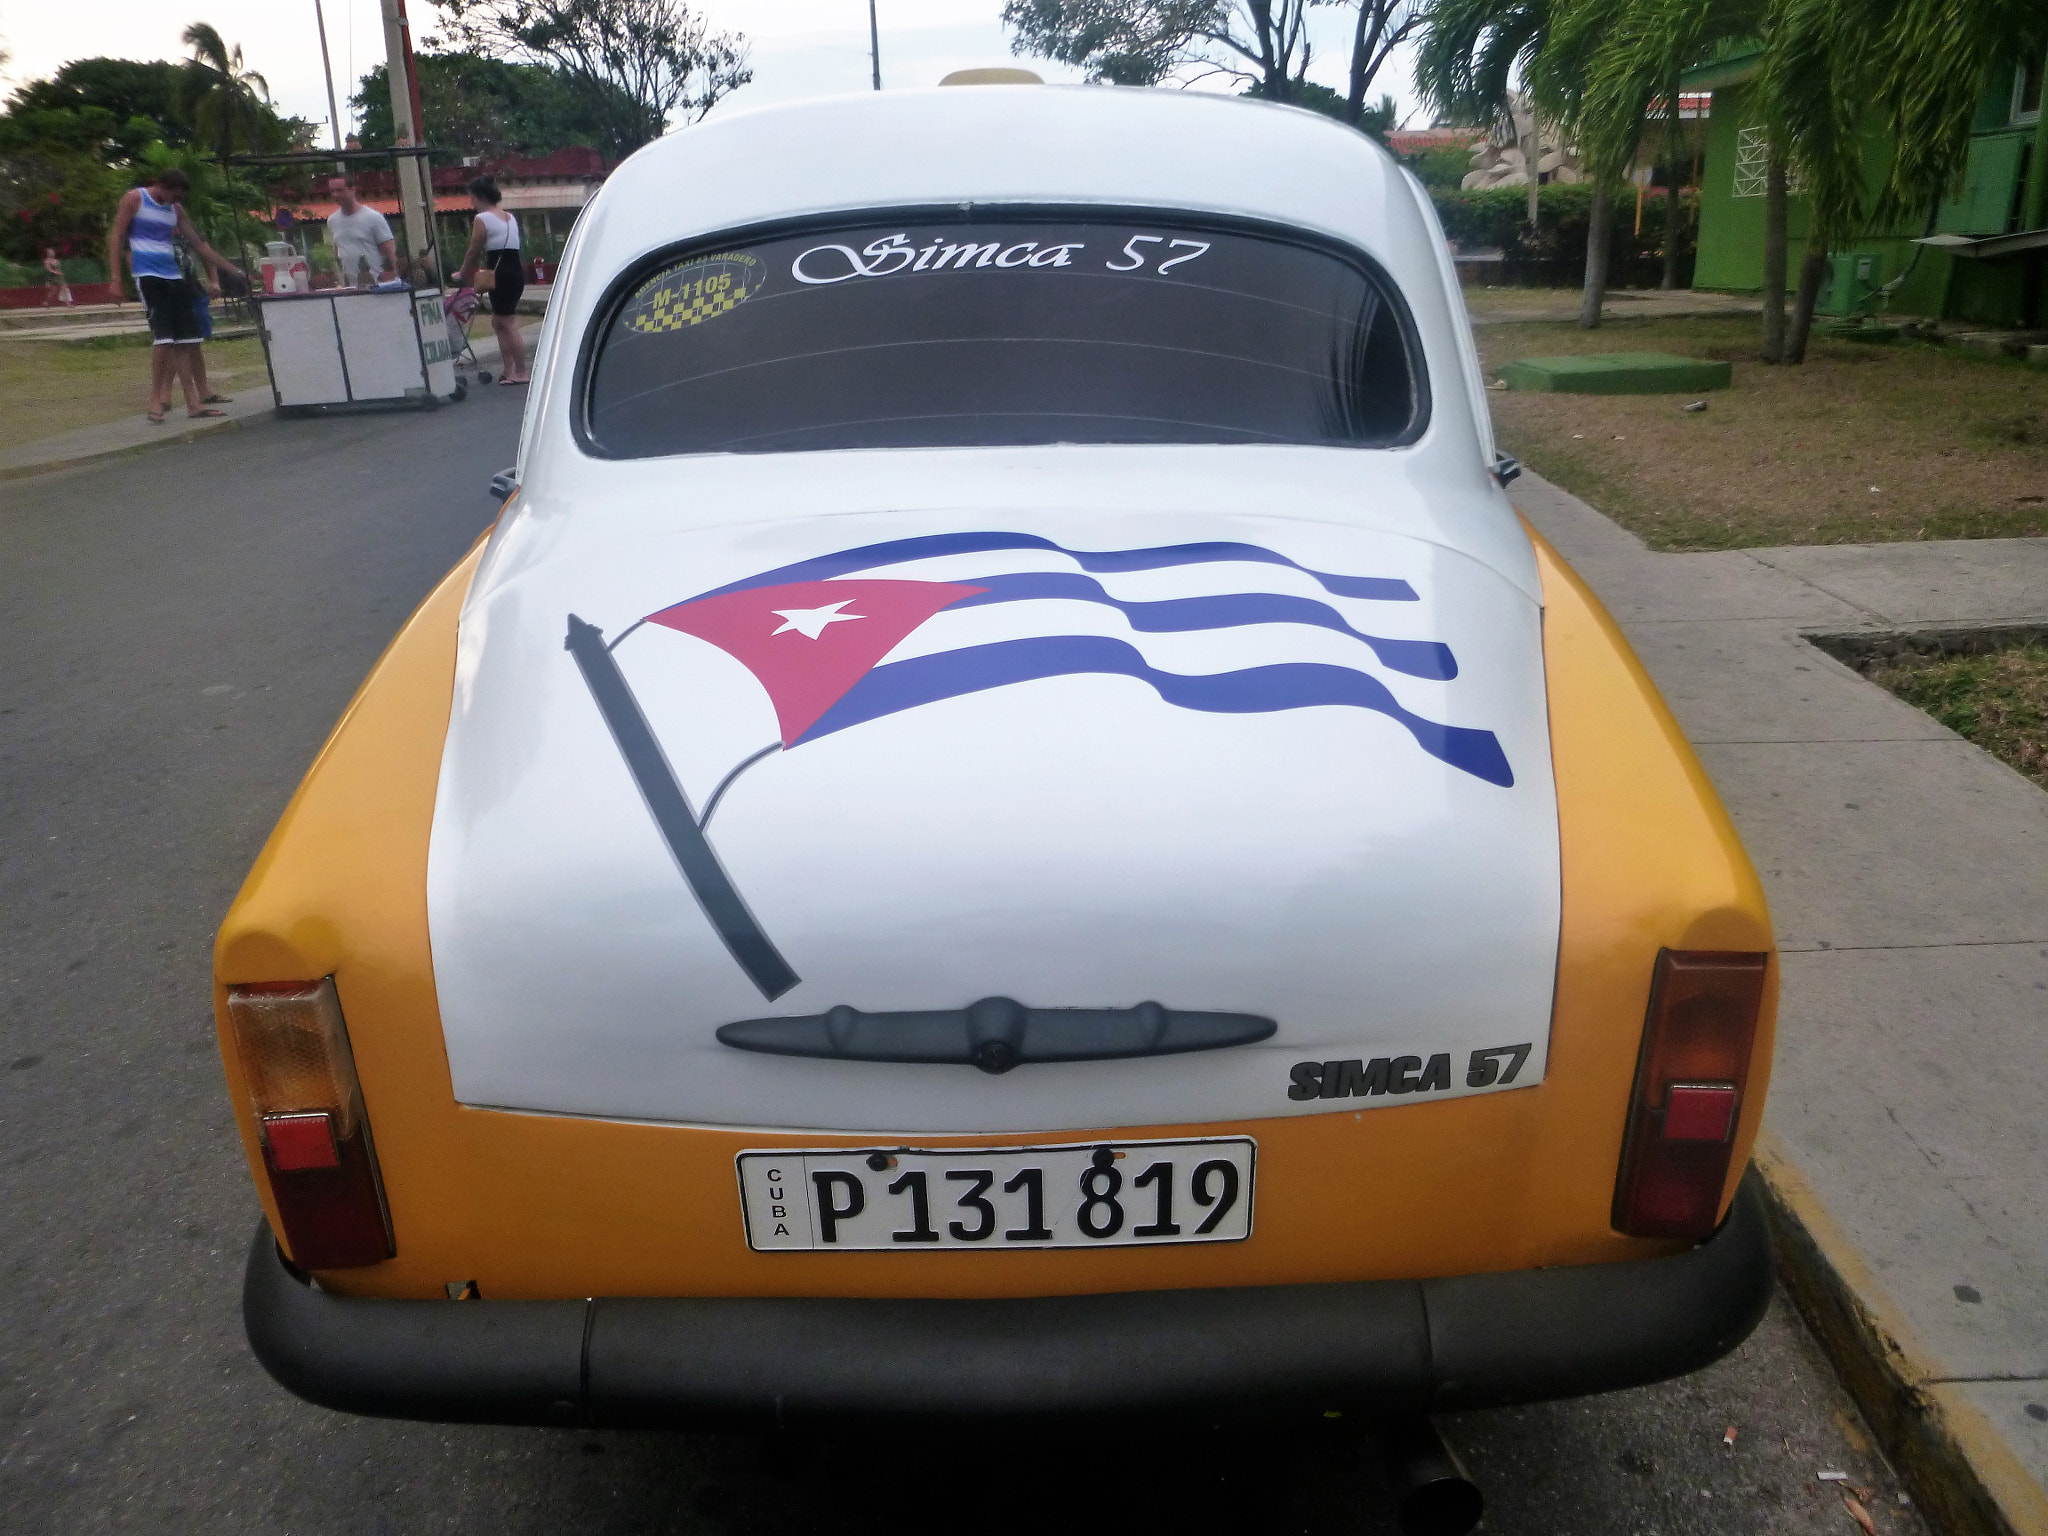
{"x": 461, "y": 307}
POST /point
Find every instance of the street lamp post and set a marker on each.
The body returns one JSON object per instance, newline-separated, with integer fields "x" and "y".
{"x": 874, "y": 44}
{"x": 327, "y": 69}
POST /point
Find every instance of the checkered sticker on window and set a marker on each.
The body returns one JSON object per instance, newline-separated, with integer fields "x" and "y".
{"x": 692, "y": 293}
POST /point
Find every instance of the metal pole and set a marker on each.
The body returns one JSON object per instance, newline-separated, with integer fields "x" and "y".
{"x": 874, "y": 44}
{"x": 405, "y": 129}
{"x": 673, "y": 817}
{"x": 327, "y": 69}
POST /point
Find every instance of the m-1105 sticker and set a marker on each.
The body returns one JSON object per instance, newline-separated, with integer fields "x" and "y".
{"x": 692, "y": 293}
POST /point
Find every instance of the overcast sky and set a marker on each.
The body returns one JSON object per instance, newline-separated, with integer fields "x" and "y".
{"x": 800, "y": 47}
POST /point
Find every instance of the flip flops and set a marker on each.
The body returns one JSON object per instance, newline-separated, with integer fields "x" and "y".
{"x": 218, "y": 400}
{"x": 156, "y": 418}
{"x": 195, "y": 415}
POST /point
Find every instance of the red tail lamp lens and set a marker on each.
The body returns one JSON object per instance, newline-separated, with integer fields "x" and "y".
{"x": 301, "y": 1078}
{"x": 1689, "y": 1085}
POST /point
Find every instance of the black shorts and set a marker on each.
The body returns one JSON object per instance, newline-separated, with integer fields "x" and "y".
{"x": 511, "y": 282}
{"x": 168, "y": 301}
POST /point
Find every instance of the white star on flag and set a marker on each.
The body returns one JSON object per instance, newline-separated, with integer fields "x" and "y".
{"x": 811, "y": 622}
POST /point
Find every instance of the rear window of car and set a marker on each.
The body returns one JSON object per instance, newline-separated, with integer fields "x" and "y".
{"x": 972, "y": 332}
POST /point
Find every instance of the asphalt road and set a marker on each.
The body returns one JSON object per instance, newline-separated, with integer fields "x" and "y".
{"x": 180, "y": 630}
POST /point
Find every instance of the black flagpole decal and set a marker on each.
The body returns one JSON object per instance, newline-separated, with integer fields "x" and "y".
{"x": 672, "y": 814}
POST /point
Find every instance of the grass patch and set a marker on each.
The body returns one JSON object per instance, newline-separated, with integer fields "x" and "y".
{"x": 1997, "y": 699}
{"x": 47, "y": 387}
{"x": 1861, "y": 444}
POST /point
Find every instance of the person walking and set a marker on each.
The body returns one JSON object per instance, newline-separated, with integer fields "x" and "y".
{"x": 494, "y": 248}
{"x": 146, "y": 222}
{"x": 55, "y": 289}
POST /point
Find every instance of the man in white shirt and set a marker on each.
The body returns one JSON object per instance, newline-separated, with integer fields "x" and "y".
{"x": 361, "y": 236}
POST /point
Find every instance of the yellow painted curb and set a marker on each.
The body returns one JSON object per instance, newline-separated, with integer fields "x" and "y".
{"x": 1959, "y": 1468}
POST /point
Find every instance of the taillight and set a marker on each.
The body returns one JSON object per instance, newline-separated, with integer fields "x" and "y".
{"x": 1689, "y": 1085}
{"x": 302, "y": 1084}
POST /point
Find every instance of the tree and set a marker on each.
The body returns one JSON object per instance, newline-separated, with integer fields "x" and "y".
{"x": 1262, "y": 43}
{"x": 1926, "y": 96}
{"x": 1380, "y": 26}
{"x": 58, "y": 185}
{"x": 1471, "y": 51}
{"x": 491, "y": 108}
{"x": 1813, "y": 86}
{"x": 1596, "y": 66}
{"x": 218, "y": 199}
{"x": 1141, "y": 42}
{"x": 1909, "y": 74}
{"x": 227, "y": 102}
{"x": 1625, "y": 53}
{"x": 1376, "y": 122}
{"x": 152, "y": 92}
{"x": 639, "y": 63}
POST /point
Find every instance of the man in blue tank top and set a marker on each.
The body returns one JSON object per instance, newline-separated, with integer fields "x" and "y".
{"x": 148, "y": 221}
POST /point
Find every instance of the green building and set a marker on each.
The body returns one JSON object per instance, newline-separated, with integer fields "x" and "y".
{"x": 1983, "y": 259}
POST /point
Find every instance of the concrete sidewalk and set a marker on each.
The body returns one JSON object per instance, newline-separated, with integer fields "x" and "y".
{"x": 1908, "y": 879}
{"x": 137, "y": 434}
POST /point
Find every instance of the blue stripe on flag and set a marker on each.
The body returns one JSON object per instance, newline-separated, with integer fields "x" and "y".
{"x": 925, "y": 547}
{"x": 900, "y": 685}
{"x": 1417, "y": 658}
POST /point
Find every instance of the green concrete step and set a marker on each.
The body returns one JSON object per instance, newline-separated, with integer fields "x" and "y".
{"x": 1615, "y": 373}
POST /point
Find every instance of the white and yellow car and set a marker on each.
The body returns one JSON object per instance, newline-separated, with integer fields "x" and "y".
{"x": 1008, "y": 820}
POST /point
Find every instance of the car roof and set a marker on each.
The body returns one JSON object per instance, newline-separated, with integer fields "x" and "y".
{"x": 1011, "y": 144}
{"x": 986, "y": 146}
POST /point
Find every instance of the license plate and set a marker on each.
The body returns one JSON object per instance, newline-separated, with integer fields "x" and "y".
{"x": 903, "y": 1199}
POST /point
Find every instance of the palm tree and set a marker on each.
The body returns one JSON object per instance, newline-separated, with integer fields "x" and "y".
{"x": 1471, "y": 47}
{"x": 1471, "y": 52}
{"x": 1815, "y": 84}
{"x": 1909, "y": 73}
{"x": 228, "y": 101}
{"x": 1836, "y": 75}
{"x": 1933, "y": 60}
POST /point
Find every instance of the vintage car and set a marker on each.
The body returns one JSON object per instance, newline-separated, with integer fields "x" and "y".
{"x": 1007, "y": 821}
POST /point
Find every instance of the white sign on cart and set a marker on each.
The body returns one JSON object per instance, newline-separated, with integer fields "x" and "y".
{"x": 346, "y": 346}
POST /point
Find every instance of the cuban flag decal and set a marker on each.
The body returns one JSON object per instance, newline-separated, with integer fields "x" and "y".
{"x": 816, "y": 633}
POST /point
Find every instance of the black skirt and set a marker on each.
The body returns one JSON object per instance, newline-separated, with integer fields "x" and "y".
{"x": 510, "y": 282}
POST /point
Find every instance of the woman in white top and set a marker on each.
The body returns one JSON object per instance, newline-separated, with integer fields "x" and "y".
{"x": 494, "y": 246}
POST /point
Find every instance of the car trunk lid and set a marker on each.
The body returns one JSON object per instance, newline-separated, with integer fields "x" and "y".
{"x": 1156, "y": 813}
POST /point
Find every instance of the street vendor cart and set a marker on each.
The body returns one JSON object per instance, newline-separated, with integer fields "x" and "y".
{"x": 346, "y": 347}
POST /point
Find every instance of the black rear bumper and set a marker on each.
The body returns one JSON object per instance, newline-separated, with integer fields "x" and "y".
{"x": 1385, "y": 1348}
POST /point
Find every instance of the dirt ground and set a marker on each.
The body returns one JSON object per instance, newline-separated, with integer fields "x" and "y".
{"x": 1861, "y": 444}
{"x": 1999, "y": 700}
{"x": 47, "y": 387}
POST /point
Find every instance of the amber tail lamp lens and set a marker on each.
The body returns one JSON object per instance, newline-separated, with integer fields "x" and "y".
{"x": 302, "y": 1084}
{"x": 1690, "y": 1080}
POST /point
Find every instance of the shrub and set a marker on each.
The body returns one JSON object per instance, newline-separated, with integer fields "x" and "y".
{"x": 1496, "y": 219}
{"x": 1441, "y": 169}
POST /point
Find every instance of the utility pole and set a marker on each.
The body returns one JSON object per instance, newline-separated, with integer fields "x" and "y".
{"x": 327, "y": 69}
{"x": 413, "y": 176}
{"x": 874, "y": 44}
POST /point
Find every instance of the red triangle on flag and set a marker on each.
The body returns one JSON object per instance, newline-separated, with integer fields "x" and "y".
{"x": 807, "y": 642}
